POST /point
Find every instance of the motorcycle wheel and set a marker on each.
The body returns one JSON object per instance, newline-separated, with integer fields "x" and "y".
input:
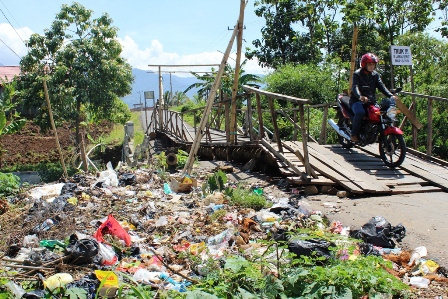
{"x": 344, "y": 142}
{"x": 392, "y": 150}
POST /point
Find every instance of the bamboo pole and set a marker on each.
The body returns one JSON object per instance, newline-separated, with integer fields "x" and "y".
{"x": 197, "y": 140}
{"x": 237, "y": 70}
{"x": 50, "y": 113}
{"x": 352, "y": 60}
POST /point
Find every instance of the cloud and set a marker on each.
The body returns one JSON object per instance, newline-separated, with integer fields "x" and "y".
{"x": 139, "y": 58}
{"x": 155, "y": 55}
{"x": 12, "y": 48}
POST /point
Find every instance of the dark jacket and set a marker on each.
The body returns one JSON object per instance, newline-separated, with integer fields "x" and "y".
{"x": 361, "y": 80}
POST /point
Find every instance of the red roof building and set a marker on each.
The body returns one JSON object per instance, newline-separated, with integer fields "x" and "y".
{"x": 7, "y": 73}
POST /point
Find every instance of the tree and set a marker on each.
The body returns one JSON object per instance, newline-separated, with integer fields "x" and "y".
{"x": 10, "y": 120}
{"x": 206, "y": 81}
{"x": 79, "y": 57}
{"x": 179, "y": 98}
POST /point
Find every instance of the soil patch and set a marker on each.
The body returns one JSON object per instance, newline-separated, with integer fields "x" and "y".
{"x": 31, "y": 146}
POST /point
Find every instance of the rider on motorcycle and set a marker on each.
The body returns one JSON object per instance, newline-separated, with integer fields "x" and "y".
{"x": 365, "y": 82}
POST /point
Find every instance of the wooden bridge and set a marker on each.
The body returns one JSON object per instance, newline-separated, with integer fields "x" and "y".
{"x": 358, "y": 170}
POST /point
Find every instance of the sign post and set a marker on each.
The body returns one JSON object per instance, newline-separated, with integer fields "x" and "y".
{"x": 149, "y": 95}
{"x": 401, "y": 55}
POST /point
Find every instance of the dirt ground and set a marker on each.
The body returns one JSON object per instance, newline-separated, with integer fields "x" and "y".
{"x": 31, "y": 146}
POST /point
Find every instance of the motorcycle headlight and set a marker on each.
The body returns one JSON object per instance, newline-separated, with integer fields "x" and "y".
{"x": 391, "y": 112}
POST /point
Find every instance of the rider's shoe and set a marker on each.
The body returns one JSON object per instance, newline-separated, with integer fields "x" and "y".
{"x": 354, "y": 138}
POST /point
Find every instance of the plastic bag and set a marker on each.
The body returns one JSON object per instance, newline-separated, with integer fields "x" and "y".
{"x": 379, "y": 232}
{"x": 310, "y": 247}
{"x": 107, "y": 254}
{"x": 109, "y": 176}
{"x": 83, "y": 251}
{"x": 112, "y": 227}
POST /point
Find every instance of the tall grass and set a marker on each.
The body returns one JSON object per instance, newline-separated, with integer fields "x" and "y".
{"x": 116, "y": 136}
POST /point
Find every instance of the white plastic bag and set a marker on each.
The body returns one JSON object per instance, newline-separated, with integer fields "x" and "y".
{"x": 109, "y": 176}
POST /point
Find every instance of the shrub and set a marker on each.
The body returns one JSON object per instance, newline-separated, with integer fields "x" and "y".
{"x": 51, "y": 172}
{"x": 9, "y": 184}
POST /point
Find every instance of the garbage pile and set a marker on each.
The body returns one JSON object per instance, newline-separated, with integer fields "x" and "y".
{"x": 96, "y": 236}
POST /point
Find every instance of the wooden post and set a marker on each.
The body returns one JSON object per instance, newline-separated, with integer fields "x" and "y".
{"x": 249, "y": 117}
{"x": 414, "y": 110}
{"x": 304, "y": 140}
{"x": 83, "y": 153}
{"x": 429, "y": 128}
{"x": 323, "y": 131}
{"x": 294, "y": 137}
{"x": 161, "y": 102}
{"x": 227, "y": 127}
{"x": 352, "y": 60}
{"x": 197, "y": 139}
{"x": 239, "y": 25}
{"x": 50, "y": 113}
{"x": 274, "y": 123}
{"x": 260, "y": 117}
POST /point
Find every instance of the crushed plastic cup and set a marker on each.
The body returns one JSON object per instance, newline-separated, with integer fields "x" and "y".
{"x": 166, "y": 188}
{"x": 419, "y": 282}
{"x": 417, "y": 254}
{"x": 57, "y": 281}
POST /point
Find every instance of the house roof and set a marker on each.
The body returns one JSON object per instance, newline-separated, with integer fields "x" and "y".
{"x": 8, "y": 72}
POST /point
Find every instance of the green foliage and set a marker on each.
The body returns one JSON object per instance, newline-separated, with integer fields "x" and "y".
{"x": 52, "y": 172}
{"x": 182, "y": 157}
{"x": 9, "y": 184}
{"x": 83, "y": 69}
{"x": 246, "y": 198}
{"x": 217, "y": 181}
{"x": 316, "y": 83}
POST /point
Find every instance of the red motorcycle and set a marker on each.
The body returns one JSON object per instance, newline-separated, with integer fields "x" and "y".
{"x": 377, "y": 126}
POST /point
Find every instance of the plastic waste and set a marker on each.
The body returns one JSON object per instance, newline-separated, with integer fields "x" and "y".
{"x": 221, "y": 238}
{"x": 57, "y": 281}
{"x": 417, "y": 254}
{"x": 178, "y": 286}
{"x": 112, "y": 226}
{"x": 258, "y": 191}
{"x": 162, "y": 221}
{"x": 109, "y": 176}
{"x": 107, "y": 254}
{"x": 419, "y": 282}
{"x": 127, "y": 179}
{"x": 166, "y": 188}
{"x": 30, "y": 241}
{"x": 15, "y": 289}
{"x": 83, "y": 251}
{"x": 145, "y": 276}
{"x": 311, "y": 246}
{"x": 44, "y": 226}
{"x": 51, "y": 243}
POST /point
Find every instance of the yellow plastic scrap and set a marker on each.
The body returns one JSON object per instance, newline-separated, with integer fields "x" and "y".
{"x": 111, "y": 279}
{"x": 73, "y": 201}
{"x": 85, "y": 196}
{"x": 57, "y": 281}
{"x": 187, "y": 180}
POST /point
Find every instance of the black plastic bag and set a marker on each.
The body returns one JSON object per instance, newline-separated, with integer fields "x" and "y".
{"x": 127, "y": 179}
{"x": 89, "y": 283}
{"x": 311, "y": 247}
{"x": 379, "y": 232}
{"x": 84, "y": 251}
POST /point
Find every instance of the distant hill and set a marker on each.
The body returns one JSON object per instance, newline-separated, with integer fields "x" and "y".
{"x": 146, "y": 81}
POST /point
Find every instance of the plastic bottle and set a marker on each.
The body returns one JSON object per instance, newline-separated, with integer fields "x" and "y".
{"x": 15, "y": 289}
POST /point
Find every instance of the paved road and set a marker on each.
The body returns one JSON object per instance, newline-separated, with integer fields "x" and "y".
{"x": 424, "y": 215}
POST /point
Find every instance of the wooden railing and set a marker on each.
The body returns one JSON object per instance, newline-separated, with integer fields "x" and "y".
{"x": 429, "y": 119}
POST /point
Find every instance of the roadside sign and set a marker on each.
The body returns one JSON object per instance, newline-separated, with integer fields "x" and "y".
{"x": 149, "y": 95}
{"x": 401, "y": 55}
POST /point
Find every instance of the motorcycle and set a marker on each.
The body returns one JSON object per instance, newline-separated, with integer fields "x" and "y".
{"x": 377, "y": 126}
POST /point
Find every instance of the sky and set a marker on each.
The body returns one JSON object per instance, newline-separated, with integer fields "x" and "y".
{"x": 164, "y": 32}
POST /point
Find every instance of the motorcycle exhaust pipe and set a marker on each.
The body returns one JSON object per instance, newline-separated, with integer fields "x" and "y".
{"x": 336, "y": 128}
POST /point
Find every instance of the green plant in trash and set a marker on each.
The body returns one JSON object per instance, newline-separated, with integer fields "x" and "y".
{"x": 182, "y": 157}
{"x": 239, "y": 278}
{"x": 342, "y": 279}
{"x": 9, "y": 184}
{"x": 217, "y": 181}
{"x": 246, "y": 198}
{"x": 51, "y": 172}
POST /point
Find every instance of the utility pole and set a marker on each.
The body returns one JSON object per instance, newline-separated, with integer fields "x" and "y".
{"x": 200, "y": 132}
{"x": 240, "y": 25}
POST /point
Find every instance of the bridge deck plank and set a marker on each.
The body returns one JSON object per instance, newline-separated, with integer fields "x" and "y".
{"x": 420, "y": 168}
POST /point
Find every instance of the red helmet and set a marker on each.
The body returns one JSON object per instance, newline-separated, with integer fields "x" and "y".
{"x": 367, "y": 58}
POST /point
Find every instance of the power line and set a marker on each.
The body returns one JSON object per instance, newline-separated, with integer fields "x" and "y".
{"x": 11, "y": 25}
{"x": 10, "y": 48}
